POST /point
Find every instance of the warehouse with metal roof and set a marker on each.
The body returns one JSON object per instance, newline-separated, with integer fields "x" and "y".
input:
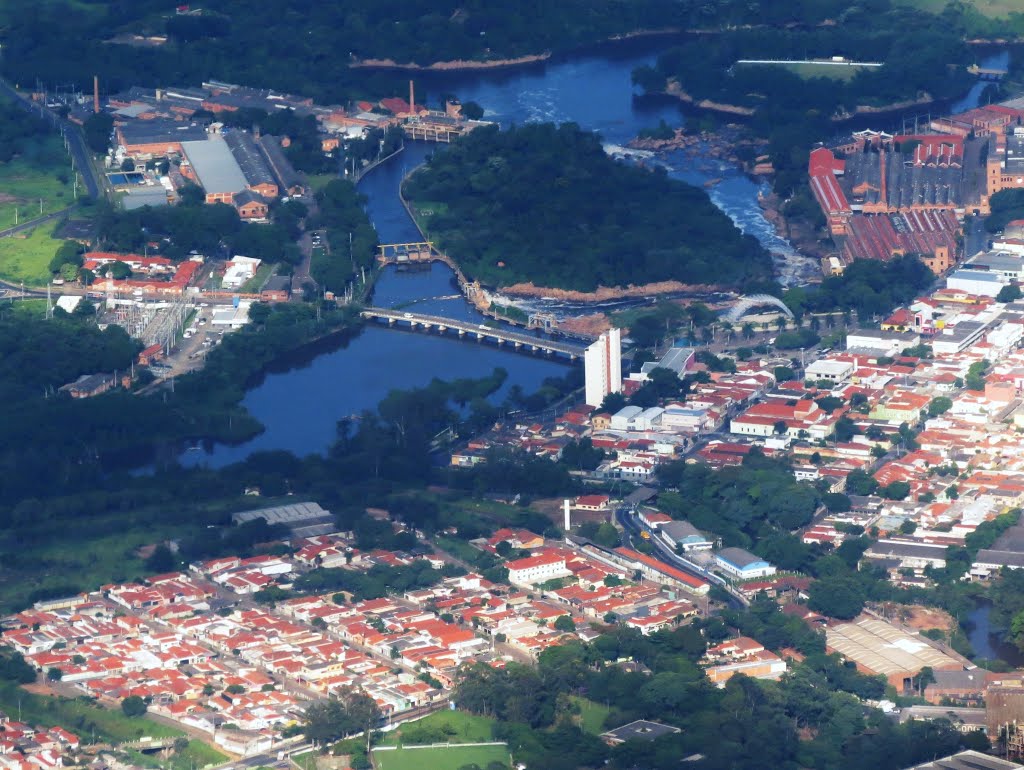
{"x": 215, "y": 168}
{"x": 882, "y": 648}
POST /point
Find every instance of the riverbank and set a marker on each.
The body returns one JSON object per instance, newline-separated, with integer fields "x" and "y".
{"x": 802, "y": 234}
{"x": 675, "y": 90}
{"x": 456, "y": 65}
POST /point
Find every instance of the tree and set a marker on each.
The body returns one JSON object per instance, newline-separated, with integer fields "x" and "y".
{"x": 1009, "y": 293}
{"x": 97, "y": 129}
{"x": 564, "y": 623}
{"x": 860, "y": 483}
{"x": 784, "y": 374}
{"x": 845, "y": 430}
{"x": 897, "y": 490}
{"x": 837, "y": 502}
{"x": 472, "y": 111}
{"x": 613, "y": 403}
{"x": 939, "y": 405}
{"x": 54, "y": 674}
{"x": 607, "y": 535}
{"x": 161, "y": 560}
{"x": 351, "y": 712}
{"x": 838, "y": 596}
{"x": 133, "y": 706}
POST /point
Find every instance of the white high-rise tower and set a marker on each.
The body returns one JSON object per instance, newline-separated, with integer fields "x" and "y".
{"x": 602, "y": 366}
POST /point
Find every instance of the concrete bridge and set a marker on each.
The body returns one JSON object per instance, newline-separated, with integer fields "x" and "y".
{"x": 986, "y": 73}
{"x": 480, "y": 332}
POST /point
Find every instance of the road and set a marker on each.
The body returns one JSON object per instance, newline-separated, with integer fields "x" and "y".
{"x": 975, "y": 236}
{"x": 73, "y": 134}
{"x": 664, "y": 554}
{"x": 29, "y": 224}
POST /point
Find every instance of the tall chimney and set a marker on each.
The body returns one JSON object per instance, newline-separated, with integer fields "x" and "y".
{"x": 568, "y": 523}
{"x": 96, "y": 93}
{"x": 412, "y": 100}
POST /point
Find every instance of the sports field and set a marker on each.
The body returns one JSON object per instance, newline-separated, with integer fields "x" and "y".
{"x": 993, "y": 9}
{"x": 441, "y": 758}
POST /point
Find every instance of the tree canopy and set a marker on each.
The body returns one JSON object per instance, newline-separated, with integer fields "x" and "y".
{"x": 546, "y": 204}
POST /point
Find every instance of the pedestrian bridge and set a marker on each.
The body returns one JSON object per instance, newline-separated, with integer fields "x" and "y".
{"x": 746, "y": 304}
{"x": 476, "y": 331}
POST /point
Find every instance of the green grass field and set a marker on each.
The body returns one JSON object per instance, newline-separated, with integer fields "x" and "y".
{"x": 26, "y": 256}
{"x": 993, "y": 9}
{"x": 423, "y": 211}
{"x": 441, "y": 727}
{"x": 254, "y": 284}
{"x": 79, "y": 716}
{"x": 443, "y": 758}
{"x": 592, "y": 715}
{"x": 25, "y": 183}
{"x": 816, "y": 70}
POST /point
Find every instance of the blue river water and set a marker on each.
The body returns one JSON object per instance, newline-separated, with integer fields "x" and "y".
{"x": 301, "y": 405}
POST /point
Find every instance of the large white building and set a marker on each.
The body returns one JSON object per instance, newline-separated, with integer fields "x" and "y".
{"x": 537, "y": 569}
{"x": 602, "y": 366}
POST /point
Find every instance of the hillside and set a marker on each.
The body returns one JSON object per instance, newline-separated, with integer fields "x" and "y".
{"x": 309, "y": 48}
{"x": 544, "y": 203}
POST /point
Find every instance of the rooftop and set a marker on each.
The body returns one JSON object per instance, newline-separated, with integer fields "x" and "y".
{"x": 968, "y": 760}
{"x": 216, "y": 167}
{"x": 881, "y": 647}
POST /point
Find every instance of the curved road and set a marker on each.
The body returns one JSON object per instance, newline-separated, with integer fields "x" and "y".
{"x": 76, "y": 143}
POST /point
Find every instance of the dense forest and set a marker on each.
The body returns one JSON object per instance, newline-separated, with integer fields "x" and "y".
{"x": 308, "y": 47}
{"x": 545, "y": 203}
{"x": 924, "y": 57}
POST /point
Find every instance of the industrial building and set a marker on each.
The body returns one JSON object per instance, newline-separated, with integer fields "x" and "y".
{"x": 602, "y": 364}
{"x": 211, "y": 164}
{"x": 158, "y": 138}
{"x": 303, "y": 519}
{"x": 258, "y": 176}
{"x": 878, "y": 647}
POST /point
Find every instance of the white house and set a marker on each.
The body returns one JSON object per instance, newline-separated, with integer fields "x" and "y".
{"x": 537, "y": 569}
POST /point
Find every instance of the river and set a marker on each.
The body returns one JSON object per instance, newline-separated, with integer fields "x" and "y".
{"x": 985, "y": 643}
{"x": 301, "y": 405}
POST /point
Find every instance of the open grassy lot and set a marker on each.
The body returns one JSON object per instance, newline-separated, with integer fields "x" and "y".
{"x": 27, "y": 182}
{"x": 254, "y": 284}
{"x": 441, "y": 727}
{"x": 423, "y": 211}
{"x": 78, "y": 715}
{"x": 993, "y": 9}
{"x": 818, "y": 70}
{"x": 592, "y": 715}
{"x": 86, "y": 554}
{"x": 441, "y": 758}
{"x": 26, "y": 256}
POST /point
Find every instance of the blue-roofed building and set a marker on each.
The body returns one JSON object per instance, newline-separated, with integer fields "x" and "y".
{"x": 742, "y": 565}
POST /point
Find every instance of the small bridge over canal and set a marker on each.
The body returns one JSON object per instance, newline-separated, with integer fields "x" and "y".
{"x": 987, "y": 73}
{"x": 421, "y": 253}
{"x": 480, "y": 332}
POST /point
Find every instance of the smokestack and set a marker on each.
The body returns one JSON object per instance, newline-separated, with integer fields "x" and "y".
{"x": 96, "y": 93}
{"x": 412, "y": 100}
{"x": 568, "y": 523}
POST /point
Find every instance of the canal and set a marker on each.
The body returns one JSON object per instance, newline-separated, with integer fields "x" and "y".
{"x": 300, "y": 404}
